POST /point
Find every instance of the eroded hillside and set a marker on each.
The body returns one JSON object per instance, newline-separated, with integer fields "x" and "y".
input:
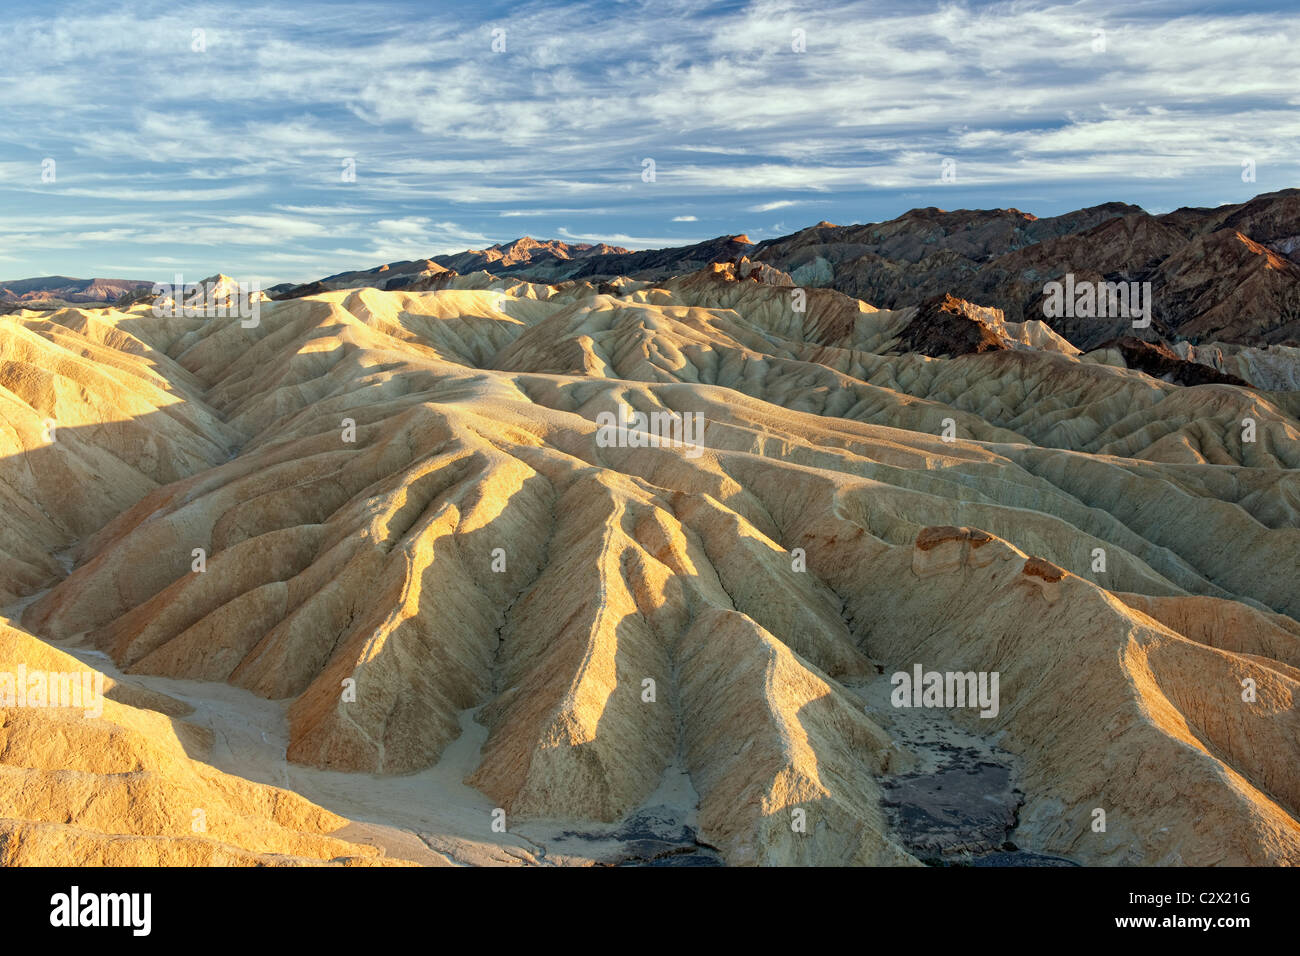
{"x": 388, "y": 532}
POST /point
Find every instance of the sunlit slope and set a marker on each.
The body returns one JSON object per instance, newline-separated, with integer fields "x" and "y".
{"x": 408, "y": 494}
{"x": 129, "y": 787}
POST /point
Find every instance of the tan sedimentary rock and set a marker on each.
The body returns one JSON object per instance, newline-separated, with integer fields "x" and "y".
{"x": 124, "y": 783}
{"x": 408, "y": 510}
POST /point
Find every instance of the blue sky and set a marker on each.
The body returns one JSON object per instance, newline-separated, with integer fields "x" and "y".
{"x": 231, "y": 157}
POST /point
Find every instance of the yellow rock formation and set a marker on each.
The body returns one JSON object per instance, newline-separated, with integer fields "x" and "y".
{"x": 384, "y": 511}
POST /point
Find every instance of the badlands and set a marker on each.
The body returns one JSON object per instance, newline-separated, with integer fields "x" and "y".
{"x": 370, "y": 583}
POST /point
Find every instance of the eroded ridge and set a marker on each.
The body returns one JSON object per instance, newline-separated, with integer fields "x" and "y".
{"x": 386, "y": 513}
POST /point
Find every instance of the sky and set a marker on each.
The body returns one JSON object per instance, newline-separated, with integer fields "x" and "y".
{"x": 294, "y": 140}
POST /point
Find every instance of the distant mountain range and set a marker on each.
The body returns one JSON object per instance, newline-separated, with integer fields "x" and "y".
{"x": 1231, "y": 273}
{"x": 1228, "y": 274}
{"x": 1225, "y": 274}
{"x": 55, "y": 290}
{"x": 549, "y": 261}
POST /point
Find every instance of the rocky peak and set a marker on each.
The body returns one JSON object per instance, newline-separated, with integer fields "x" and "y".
{"x": 945, "y": 326}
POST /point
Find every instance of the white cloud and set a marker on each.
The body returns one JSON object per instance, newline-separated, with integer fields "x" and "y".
{"x": 126, "y": 194}
{"x": 629, "y": 242}
{"x": 555, "y": 129}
